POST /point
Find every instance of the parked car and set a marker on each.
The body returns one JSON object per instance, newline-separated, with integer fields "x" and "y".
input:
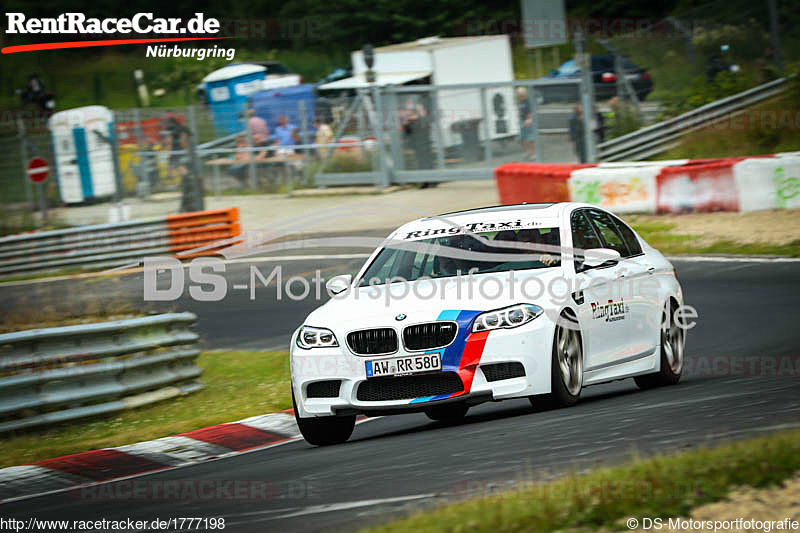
{"x": 275, "y": 69}
{"x": 604, "y": 77}
{"x": 335, "y": 75}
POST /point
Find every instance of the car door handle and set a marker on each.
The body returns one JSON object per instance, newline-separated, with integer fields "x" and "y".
{"x": 651, "y": 270}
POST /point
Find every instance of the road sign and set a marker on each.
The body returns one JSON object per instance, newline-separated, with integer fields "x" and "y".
{"x": 38, "y": 169}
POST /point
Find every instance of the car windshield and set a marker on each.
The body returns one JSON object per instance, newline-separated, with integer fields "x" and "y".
{"x": 277, "y": 68}
{"x": 447, "y": 256}
{"x": 568, "y": 68}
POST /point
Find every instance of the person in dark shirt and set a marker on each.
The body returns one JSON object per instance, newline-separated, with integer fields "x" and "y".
{"x": 576, "y": 133}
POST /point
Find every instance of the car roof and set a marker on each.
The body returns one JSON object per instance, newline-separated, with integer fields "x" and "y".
{"x": 498, "y": 208}
{"x": 545, "y": 211}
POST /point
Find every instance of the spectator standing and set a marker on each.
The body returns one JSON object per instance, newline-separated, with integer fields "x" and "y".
{"x": 526, "y": 133}
{"x": 416, "y": 126}
{"x": 324, "y": 133}
{"x": 259, "y": 131}
{"x": 283, "y": 133}
{"x": 576, "y": 133}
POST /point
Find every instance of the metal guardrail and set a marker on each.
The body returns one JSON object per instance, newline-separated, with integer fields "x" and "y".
{"x": 662, "y": 136}
{"x": 122, "y": 243}
{"x": 65, "y": 373}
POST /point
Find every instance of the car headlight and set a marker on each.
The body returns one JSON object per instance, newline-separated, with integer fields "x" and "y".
{"x": 507, "y": 317}
{"x": 311, "y": 337}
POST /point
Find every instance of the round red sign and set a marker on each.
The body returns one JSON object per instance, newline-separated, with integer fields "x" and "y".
{"x": 38, "y": 169}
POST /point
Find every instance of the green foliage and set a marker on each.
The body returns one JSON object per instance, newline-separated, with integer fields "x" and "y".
{"x": 702, "y": 92}
{"x": 767, "y": 128}
{"x": 347, "y": 163}
{"x": 625, "y": 120}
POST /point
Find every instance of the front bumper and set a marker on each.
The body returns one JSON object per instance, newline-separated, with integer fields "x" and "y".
{"x": 529, "y": 345}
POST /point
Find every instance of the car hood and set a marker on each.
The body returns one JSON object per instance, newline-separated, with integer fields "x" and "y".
{"x": 380, "y": 305}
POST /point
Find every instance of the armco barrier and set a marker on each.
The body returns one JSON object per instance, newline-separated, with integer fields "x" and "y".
{"x": 730, "y": 184}
{"x": 106, "y": 245}
{"x": 60, "y": 374}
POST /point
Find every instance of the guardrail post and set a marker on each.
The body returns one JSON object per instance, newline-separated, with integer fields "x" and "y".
{"x": 143, "y": 187}
{"x": 586, "y": 96}
{"x": 487, "y": 142}
{"x": 398, "y": 155}
{"x": 251, "y": 165}
{"x": 24, "y": 153}
{"x": 534, "y": 104}
{"x": 383, "y": 172}
{"x": 437, "y": 124}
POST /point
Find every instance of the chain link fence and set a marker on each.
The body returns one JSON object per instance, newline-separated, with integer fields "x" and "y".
{"x": 374, "y": 136}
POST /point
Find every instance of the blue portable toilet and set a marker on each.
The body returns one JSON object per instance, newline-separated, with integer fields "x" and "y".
{"x": 84, "y": 162}
{"x": 271, "y": 104}
{"x": 228, "y": 90}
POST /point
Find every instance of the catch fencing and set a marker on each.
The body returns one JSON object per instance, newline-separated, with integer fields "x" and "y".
{"x": 123, "y": 243}
{"x": 61, "y": 374}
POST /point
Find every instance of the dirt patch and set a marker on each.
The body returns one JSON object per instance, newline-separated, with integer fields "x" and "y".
{"x": 776, "y": 504}
{"x": 758, "y": 227}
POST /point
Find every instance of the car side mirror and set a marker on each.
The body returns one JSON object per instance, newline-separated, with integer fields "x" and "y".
{"x": 338, "y": 284}
{"x": 553, "y": 72}
{"x": 600, "y": 258}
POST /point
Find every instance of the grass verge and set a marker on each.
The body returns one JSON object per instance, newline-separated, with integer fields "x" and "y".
{"x": 238, "y": 385}
{"x": 664, "y": 486}
{"x": 661, "y": 236}
{"x": 763, "y": 129}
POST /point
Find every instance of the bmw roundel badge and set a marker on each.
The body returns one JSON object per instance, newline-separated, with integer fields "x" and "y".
{"x": 401, "y": 316}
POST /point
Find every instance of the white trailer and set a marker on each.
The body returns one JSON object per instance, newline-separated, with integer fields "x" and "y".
{"x": 448, "y": 61}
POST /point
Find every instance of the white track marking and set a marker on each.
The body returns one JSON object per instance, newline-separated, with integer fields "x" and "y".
{"x": 698, "y": 400}
{"x": 138, "y": 270}
{"x": 731, "y": 259}
{"x": 332, "y": 507}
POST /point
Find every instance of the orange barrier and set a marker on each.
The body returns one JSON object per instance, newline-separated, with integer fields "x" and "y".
{"x": 202, "y": 229}
{"x": 534, "y": 182}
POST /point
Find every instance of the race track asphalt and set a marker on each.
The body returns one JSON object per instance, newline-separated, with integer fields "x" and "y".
{"x": 394, "y": 465}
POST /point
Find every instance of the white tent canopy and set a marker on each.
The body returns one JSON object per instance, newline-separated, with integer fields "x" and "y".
{"x": 359, "y": 81}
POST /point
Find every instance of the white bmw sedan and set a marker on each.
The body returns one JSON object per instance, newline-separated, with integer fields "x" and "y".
{"x": 531, "y": 300}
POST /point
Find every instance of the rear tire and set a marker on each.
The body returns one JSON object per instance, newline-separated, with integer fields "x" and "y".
{"x": 673, "y": 341}
{"x": 325, "y": 430}
{"x": 447, "y": 413}
{"x": 566, "y": 372}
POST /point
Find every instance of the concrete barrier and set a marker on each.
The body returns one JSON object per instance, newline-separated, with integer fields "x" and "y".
{"x": 727, "y": 184}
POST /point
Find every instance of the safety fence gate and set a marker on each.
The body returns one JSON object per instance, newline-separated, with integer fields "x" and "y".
{"x": 436, "y": 133}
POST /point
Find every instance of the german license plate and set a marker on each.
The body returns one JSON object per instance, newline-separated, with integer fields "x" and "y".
{"x": 404, "y": 365}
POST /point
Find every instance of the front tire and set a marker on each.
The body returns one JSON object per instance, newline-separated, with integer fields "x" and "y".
{"x": 324, "y": 430}
{"x": 447, "y": 413}
{"x": 566, "y": 372}
{"x": 673, "y": 341}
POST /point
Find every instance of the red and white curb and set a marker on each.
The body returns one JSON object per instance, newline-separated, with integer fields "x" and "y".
{"x": 98, "y": 466}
